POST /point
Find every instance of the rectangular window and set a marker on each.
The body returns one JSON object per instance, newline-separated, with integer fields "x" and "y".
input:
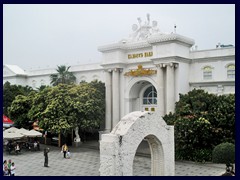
{"x": 231, "y": 74}
{"x": 207, "y": 75}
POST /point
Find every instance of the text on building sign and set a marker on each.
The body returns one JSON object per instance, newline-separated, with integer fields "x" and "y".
{"x": 140, "y": 55}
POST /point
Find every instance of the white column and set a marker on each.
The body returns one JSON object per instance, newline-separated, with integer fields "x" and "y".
{"x": 122, "y": 100}
{"x": 170, "y": 91}
{"x": 160, "y": 90}
{"x": 115, "y": 97}
{"x": 108, "y": 100}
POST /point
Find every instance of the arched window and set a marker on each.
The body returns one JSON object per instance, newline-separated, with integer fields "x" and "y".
{"x": 231, "y": 71}
{"x": 150, "y": 96}
{"x": 207, "y": 72}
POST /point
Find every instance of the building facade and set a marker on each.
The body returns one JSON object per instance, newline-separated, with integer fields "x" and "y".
{"x": 146, "y": 72}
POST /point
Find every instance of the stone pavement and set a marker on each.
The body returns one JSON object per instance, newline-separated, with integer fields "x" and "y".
{"x": 85, "y": 162}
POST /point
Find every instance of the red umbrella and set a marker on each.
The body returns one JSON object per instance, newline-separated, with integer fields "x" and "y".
{"x": 7, "y": 122}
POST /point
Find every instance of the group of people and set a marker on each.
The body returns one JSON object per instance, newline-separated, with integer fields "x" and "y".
{"x": 13, "y": 147}
{"x": 16, "y": 147}
{"x": 8, "y": 168}
{"x": 32, "y": 146}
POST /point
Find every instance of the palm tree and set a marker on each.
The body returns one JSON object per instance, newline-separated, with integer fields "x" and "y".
{"x": 63, "y": 76}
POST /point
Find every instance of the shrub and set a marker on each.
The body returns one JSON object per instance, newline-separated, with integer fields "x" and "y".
{"x": 201, "y": 155}
{"x": 202, "y": 121}
{"x": 224, "y": 153}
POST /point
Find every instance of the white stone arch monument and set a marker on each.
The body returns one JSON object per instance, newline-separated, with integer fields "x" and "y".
{"x": 118, "y": 148}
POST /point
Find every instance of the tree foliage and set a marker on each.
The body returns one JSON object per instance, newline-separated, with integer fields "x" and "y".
{"x": 202, "y": 121}
{"x": 18, "y": 111}
{"x": 63, "y": 76}
{"x": 61, "y": 108}
{"x": 10, "y": 92}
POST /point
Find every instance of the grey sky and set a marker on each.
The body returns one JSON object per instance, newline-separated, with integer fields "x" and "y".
{"x": 41, "y": 36}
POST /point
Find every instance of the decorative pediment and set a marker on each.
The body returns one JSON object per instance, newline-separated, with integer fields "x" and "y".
{"x": 140, "y": 71}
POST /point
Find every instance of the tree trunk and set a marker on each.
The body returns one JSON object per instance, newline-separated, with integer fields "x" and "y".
{"x": 59, "y": 139}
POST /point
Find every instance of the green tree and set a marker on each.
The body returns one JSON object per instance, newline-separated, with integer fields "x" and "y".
{"x": 88, "y": 105}
{"x": 18, "y": 111}
{"x": 10, "y": 92}
{"x": 61, "y": 108}
{"x": 39, "y": 104}
{"x": 42, "y": 87}
{"x": 100, "y": 86}
{"x": 53, "y": 109}
{"x": 202, "y": 121}
{"x": 63, "y": 76}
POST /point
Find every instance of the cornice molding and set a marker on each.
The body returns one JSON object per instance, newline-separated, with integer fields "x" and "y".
{"x": 113, "y": 65}
{"x": 210, "y": 83}
{"x": 170, "y": 37}
{"x": 16, "y": 75}
{"x": 156, "y": 38}
{"x": 215, "y": 58}
{"x": 170, "y": 59}
{"x": 124, "y": 46}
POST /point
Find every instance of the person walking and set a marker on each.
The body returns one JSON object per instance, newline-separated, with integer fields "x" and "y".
{"x": 5, "y": 171}
{"x": 64, "y": 150}
{"x": 17, "y": 148}
{"x": 4, "y": 163}
{"x": 9, "y": 166}
{"x": 5, "y": 168}
{"x": 13, "y": 167}
{"x": 45, "y": 152}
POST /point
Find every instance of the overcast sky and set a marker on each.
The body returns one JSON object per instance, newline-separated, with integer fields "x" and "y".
{"x": 43, "y": 36}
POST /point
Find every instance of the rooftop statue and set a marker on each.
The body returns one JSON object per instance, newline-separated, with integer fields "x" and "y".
{"x": 143, "y": 31}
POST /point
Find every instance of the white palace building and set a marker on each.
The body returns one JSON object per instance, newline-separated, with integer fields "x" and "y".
{"x": 146, "y": 72}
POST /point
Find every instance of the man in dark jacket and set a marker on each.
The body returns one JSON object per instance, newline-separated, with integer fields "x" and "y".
{"x": 46, "y": 151}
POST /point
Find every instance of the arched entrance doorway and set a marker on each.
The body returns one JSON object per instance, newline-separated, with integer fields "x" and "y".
{"x": 142, "y": 96}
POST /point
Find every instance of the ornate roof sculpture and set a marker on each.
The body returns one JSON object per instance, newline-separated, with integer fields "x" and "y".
{"x": 143, "y": 35}
{"x": 140, "y": 71}
{"x": 143, "y": 31}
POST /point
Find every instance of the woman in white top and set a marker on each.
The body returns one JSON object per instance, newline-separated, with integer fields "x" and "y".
{"x": 17, "y": 148}
{"x": 13, "y": 167}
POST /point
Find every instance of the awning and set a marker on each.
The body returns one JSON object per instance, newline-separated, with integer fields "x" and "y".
{"x": 7, "y": 120}
{"x": 22, "y": 131}
{"x": 14, "y": 135}
{"x": 32, "y": 133}
{"x": 5, "y": 125}
{"x": 11, "y": 130}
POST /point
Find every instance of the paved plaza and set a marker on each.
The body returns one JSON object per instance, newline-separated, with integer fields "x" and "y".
{"x": 85, "y": 162}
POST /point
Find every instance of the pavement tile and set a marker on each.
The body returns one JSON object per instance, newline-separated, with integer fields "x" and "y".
{"x": 85, "y": 162}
